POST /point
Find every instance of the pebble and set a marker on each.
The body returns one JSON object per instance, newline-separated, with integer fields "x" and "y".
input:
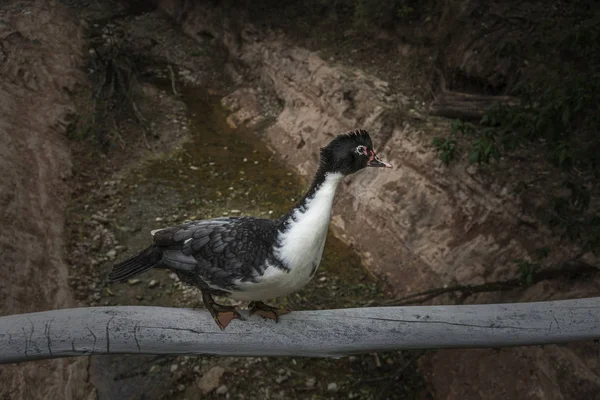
{"x": 133, "y": 281}
{"x": 222, "y": 389}
{"x": 174, "y": 367}
{"x": 111, "y": 254}
{"x": 158, "y": 219}
{"x": 153, "y": 283}
{"x": 181, "y": 387}
{"x": 154, "y": 368}
{"x": 311, "y": 382}
{"x": 210, "y": 380}
{"x": 332, "y": 387}
{"x": 100, "y": 218}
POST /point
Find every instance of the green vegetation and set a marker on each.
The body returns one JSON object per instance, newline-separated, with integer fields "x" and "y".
{"x": 559, "y": 92}
{"x": 446, "y": 149}
{"x": 381, "y": 13}
{"x": 116, "y": 89}
{"x": 527, "y": 271}
{"x": 363, "y": 14}
{"x": 558, "y": 114}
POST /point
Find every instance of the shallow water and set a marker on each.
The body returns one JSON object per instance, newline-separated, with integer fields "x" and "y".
{"x": 223, "y": 171}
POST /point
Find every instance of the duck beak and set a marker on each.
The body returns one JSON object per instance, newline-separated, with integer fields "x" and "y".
{"x": 374, "y": 161}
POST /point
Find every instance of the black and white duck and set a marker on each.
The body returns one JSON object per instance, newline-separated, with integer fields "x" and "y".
{"x": 255, "y": 259}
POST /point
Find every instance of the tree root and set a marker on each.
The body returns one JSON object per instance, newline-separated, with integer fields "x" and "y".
{"x": 116, "y": 88}
{"x": 172, "y": 74}
{"x": 568, "y": 270}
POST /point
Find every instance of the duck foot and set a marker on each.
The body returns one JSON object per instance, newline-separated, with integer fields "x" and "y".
{"x": 265, "y": 311}
{"x": 222, "y": 315}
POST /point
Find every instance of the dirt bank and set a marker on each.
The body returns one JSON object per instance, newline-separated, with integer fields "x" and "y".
{"x": 41, "y": 58}
{"x": 192, "y": 163}
{"x": 448, "y": 226}
{"x": 464, "y": 225}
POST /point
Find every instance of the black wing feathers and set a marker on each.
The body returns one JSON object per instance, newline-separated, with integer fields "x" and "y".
{"x": 141, "y": 262}
{"x": 225, "y": 250}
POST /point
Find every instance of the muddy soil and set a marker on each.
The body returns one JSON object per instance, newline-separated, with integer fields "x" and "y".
{"x": 193, "y": 164}
{"x": 41, "y": 58}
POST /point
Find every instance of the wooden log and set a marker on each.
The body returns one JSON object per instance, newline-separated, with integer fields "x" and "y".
{"x": 464, "y": 105}
{"x": 324, "y": 333}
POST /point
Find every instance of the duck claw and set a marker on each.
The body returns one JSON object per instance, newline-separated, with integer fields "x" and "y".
{"x": 223, "y": 318}
{"x": 266, "y": 311}
{"x": 222, "y": 315}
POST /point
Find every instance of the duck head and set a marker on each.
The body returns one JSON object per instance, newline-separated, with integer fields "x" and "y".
{"x": 349, "y": 153}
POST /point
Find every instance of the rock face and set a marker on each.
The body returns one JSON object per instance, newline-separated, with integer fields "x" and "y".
{"x": 41, "y": 53}
{"x": 441, "y": 223}
{"x": 421, "y": 225}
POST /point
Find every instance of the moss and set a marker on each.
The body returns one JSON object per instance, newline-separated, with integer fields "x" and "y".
{"x": 196, "y": 180}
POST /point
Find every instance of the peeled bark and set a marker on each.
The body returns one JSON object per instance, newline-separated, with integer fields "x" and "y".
{"x": 322, "y": 333}
{"x": 464, "y": 105}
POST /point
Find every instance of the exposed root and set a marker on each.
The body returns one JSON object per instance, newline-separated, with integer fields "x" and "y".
{"x": 142, "y": 121}
{"x": 116, "y": 88}
{"x": 172, "y": 74}
{"x": 568, "y": 270}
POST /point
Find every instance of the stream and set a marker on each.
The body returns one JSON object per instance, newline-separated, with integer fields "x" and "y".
{"x": 216, "y": 171}
{"x": 199, "y": 166}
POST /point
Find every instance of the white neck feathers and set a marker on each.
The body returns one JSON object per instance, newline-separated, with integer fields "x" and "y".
{"x": 302, "y": 241}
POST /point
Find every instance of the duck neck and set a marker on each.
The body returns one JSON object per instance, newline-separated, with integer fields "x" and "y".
{"x": 317, "y": 201}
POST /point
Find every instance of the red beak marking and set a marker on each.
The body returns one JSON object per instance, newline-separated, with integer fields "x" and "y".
{"x": 372, "y": 156}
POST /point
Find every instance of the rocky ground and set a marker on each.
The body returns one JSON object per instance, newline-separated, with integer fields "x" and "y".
{"x": 194, "y": 163}
{"x": 151, "y": 146}
{"x": 41, "y": 59}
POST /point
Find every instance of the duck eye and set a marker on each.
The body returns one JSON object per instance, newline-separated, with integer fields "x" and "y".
{"x": 362, "y": 150}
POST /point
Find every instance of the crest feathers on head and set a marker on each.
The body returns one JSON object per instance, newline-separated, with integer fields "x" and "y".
{"x": 359, "y": 135}
{"x": 352, "y": 138}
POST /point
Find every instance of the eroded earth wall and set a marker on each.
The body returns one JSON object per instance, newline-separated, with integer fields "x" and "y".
{"x": 41, "y": 59}
{"x": 422, "y": 225}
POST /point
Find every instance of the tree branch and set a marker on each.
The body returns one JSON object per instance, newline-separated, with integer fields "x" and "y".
{"x": 569, "y": 269}
{"x": 325, "y": 333}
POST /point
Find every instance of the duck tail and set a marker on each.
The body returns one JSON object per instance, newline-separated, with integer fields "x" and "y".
{"x": 141, "y": 262}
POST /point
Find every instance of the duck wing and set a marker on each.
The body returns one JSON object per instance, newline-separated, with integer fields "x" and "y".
{"x": 221, "y": 251}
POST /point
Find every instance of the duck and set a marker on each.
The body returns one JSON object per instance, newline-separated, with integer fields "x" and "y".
{"x": 256, "y": 259}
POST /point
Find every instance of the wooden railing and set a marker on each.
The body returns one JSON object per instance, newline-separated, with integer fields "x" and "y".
{"x": 323, "y": 333}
